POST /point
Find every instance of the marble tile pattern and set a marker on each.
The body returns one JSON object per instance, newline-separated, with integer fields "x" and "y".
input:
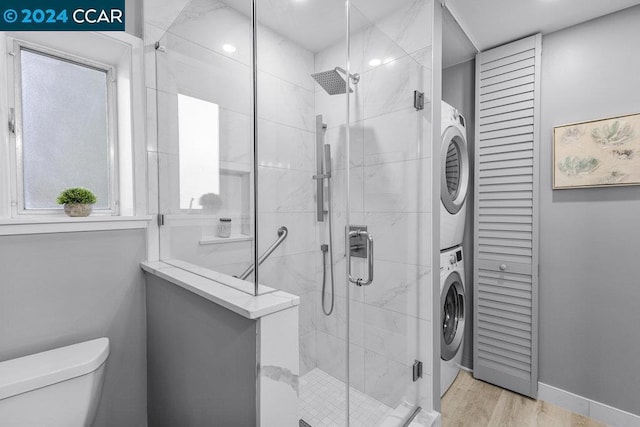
{"x": 389, "y": 186}
{"x": 278, "y": 369}
{"x": 390, "y": 192}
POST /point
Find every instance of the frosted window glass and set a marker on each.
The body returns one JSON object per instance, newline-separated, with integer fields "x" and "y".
{"x": 198, "y": 130}
{"x": 65, "y": 139}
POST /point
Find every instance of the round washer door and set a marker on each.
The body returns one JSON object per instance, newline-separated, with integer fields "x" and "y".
{"x": 454, "y": 181}
{"x": 452, "y": 305}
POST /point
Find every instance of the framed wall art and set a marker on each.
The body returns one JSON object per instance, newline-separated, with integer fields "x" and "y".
{"x": 598, "y": 153}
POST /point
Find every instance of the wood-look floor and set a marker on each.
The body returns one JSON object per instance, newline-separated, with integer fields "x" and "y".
{"x": 470, "y": 402}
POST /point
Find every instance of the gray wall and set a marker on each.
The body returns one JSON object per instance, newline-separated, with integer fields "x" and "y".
{"x": 458, "y": 89}
{"x": 61, "y": 289}
{"x": 133, "y": 17}
{"x": 590, "y": 270}
{"x": 201, "y": 360}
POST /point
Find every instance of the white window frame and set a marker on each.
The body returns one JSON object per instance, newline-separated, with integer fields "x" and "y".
{"x": 15, "y": 104}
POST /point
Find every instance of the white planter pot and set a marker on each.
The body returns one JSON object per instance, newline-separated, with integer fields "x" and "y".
{"x": 78, "y": 209}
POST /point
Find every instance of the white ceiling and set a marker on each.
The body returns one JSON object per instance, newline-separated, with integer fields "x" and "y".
{"x": 315, "y": 24}
{"x": 490, "y": 23}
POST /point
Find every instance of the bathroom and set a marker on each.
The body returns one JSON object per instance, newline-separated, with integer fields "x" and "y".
{"x": 326, "y": 122}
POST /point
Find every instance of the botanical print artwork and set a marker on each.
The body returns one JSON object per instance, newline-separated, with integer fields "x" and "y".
{"x": 597, "y": 153}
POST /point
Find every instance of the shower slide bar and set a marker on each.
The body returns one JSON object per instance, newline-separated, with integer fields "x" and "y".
{"x": 282, "y": 234}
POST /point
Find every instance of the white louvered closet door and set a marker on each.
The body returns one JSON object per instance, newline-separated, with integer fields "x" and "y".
{"x": 506, "y": 216}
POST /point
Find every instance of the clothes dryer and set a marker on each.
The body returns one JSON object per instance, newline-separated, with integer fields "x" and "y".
{"x": 454, "y": 182}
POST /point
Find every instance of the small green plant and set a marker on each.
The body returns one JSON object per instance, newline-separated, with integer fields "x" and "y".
{"x": 76, "y": 195}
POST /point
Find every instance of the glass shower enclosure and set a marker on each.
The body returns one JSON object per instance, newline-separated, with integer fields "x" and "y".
{"x": 298, "y": 133}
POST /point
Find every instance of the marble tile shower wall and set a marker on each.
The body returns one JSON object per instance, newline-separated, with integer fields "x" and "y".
{"x": 390, "y": 163}
{"x": 390, "y": 166}
{"x": 195, "y": 64}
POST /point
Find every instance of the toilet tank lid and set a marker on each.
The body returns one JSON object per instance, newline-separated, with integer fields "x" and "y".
{"x": 49, "y": 367}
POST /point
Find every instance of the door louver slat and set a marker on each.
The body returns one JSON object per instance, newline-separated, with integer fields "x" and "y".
{"x": 507, "y": 76}
{"x": 504, "y": 227}
{"x": 505, "y": 217}
{"x": 506, "y": 278}
{"x": 509, "y": 92}
{"x": 518, "y": 64}
{"x": 506, "y": 195}
{"x": 512, "y": 115}
{"x": 501, "y": 187}
{"x": 505, "y": 285}
{"x": 513, "y": 358}
{"x": 503, "y": 148}
{"x": 491, "y": 60}
{"x": 524, "y": 350}
{"x": 488, "y": 105}
{"x": 499, "y": 336}
{"x": 516, "y": 322}
{"x": 507, "y": 109}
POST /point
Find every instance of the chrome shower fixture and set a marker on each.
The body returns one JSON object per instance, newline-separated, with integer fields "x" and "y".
{"x": 333, "y": 82}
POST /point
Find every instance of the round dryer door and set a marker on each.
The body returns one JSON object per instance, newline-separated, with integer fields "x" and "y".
{"x": 452, "y": 306}
{"x": 455, "y": 170}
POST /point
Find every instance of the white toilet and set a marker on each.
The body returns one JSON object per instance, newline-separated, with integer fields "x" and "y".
{"x": 56, "y": 388}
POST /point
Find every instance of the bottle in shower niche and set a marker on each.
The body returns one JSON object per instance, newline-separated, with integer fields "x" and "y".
{"x": 224, "y": 227}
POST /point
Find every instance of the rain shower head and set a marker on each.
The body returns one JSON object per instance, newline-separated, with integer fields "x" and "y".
{"x": 332, "y": 81}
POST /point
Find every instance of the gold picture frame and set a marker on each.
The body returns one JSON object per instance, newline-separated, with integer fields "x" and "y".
{"x": 597, "y": 153}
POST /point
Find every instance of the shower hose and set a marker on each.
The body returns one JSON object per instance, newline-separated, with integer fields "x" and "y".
{"x": 324, "y": 248}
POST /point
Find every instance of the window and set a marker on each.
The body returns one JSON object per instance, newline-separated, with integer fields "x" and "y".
{"x": 65, "y": 131}
{"x": 76, "y": 108}
{"x": 198, "y": 125}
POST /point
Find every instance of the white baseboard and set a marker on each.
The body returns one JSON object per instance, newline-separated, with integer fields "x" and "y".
{"x": 464, "y": 368}
{"x": 581, "y": 405}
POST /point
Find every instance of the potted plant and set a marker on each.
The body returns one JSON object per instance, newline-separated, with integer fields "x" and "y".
{"x": 77, "y": 201}
{"x": 210, "y": 202}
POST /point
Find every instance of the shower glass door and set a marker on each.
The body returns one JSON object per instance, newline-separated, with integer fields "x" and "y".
{"x": 340, "y": 144}
{"x": 300, "y": 190}
{"x": 330, "y": 143}
{"x": 389, "y": 197}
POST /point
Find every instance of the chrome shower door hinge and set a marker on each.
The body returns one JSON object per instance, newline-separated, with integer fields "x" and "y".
{"x": 418, "y": 100}
{"x": 160, "y": 220}
{"x": 417, "y": 370}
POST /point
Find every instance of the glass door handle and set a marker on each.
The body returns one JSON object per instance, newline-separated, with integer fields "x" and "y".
{"x": 369, "y": 239}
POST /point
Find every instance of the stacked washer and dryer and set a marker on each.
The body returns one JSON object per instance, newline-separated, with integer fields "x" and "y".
{"x": 453, "y": 195}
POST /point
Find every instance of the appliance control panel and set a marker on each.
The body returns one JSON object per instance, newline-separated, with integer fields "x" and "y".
{"x": 451, "y": 259}
{"x": 455, "y": 116}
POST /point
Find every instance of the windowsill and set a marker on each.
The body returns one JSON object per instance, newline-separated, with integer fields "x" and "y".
{"x": 47, "y": 225}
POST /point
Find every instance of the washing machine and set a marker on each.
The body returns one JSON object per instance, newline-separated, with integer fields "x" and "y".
{"x": 454, "y": 182}
{"x": 452, "y": 305}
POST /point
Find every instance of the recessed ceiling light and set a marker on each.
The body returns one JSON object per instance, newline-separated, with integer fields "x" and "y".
{"x": 375, "y": 62}
{"x": 228, "y": 48}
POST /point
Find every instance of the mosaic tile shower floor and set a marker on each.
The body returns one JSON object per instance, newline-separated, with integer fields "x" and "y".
{"x": 323, "y": 403}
